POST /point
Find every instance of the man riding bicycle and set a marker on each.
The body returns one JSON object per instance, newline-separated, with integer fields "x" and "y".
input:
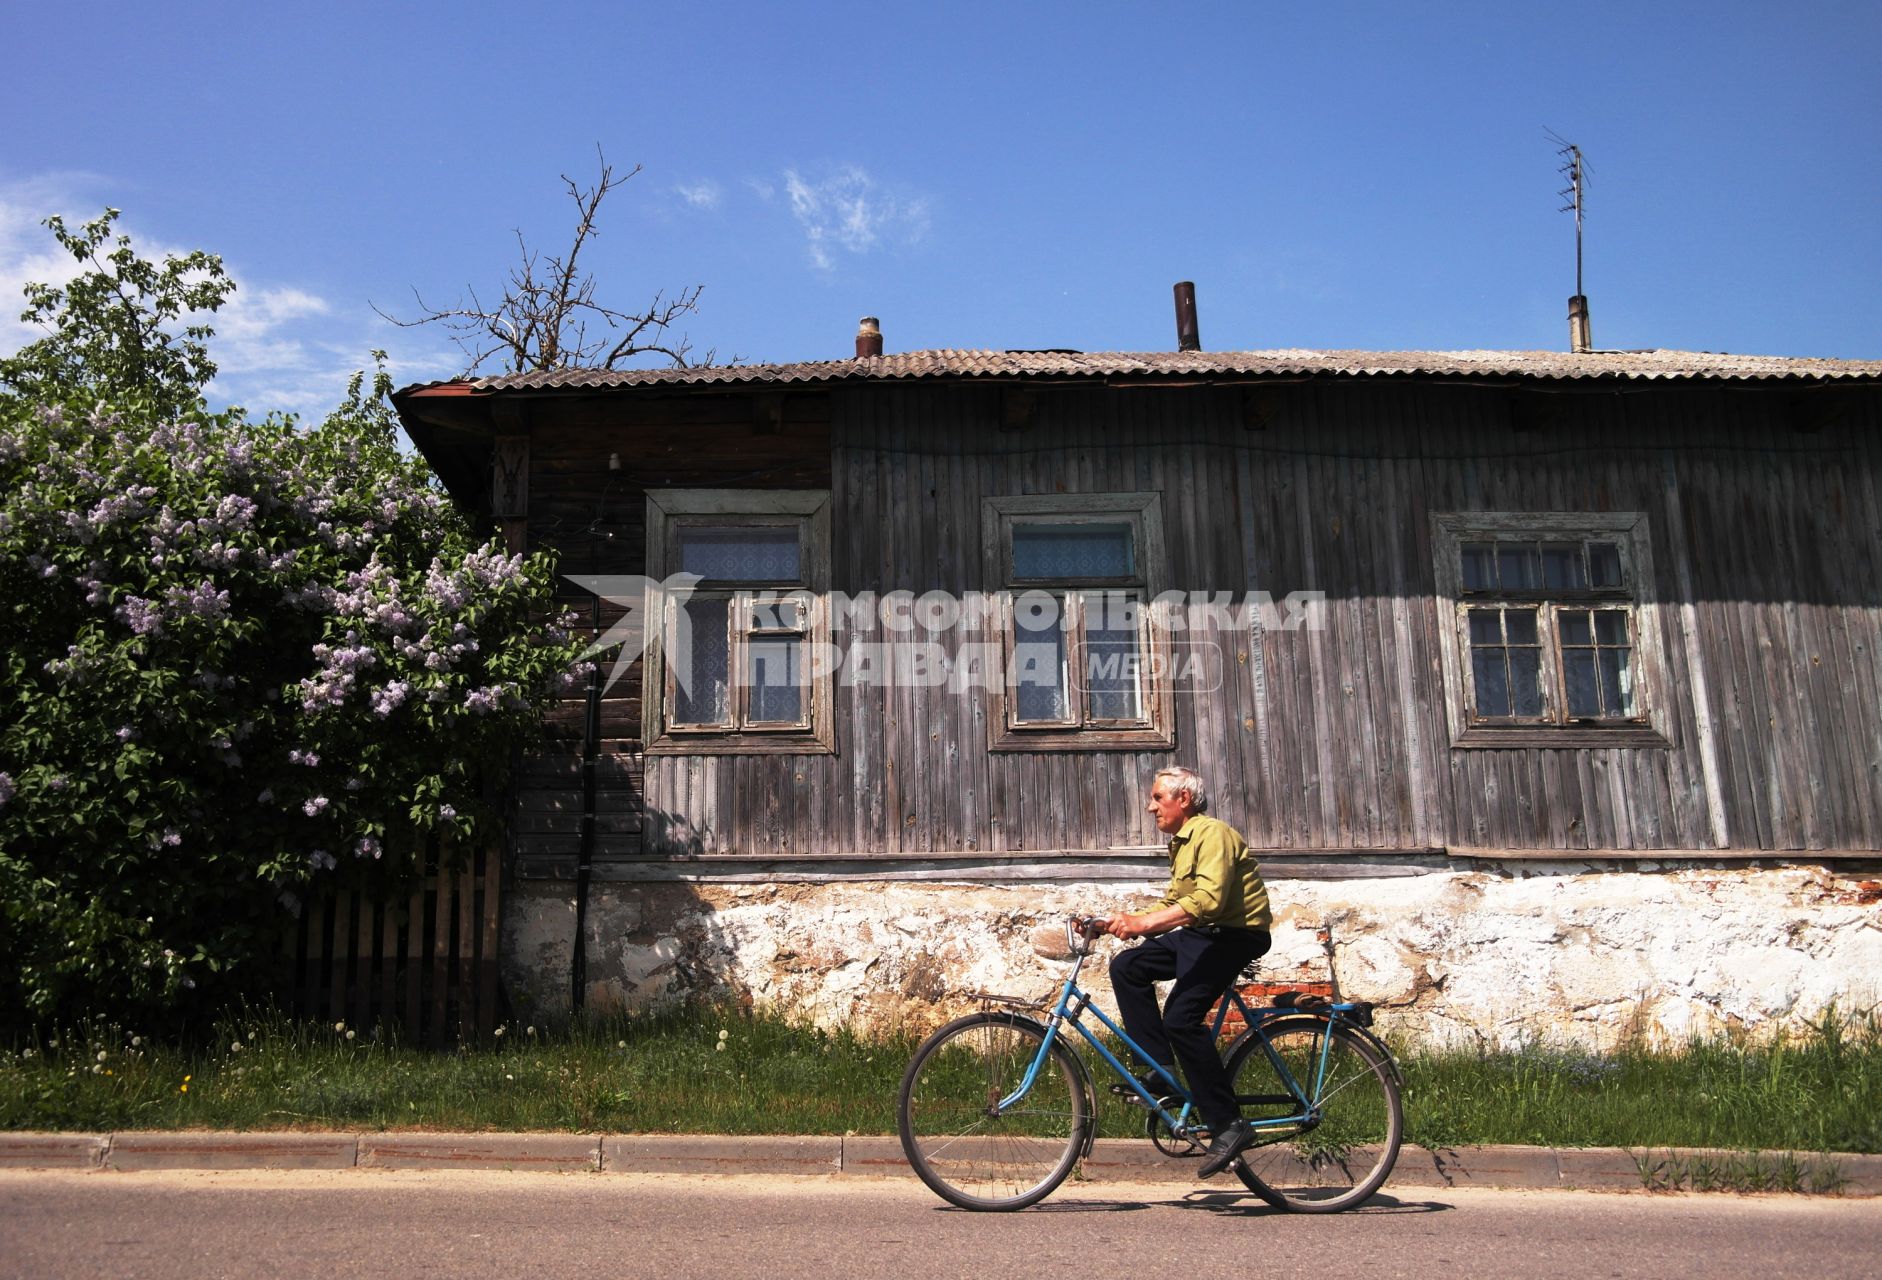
{"x": 1211, "y": 922}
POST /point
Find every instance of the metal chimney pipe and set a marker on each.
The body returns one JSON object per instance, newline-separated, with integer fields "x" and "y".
{"x": 869, "y": 338}
{"x": 1187, "y": 336}
{"x": 1580, "y": 341}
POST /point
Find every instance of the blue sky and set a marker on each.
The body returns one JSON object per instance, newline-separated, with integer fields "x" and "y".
{"x": 1330, "y": 175}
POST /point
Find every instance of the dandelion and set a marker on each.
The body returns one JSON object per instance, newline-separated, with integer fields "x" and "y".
{"x": 102, "y": 1055}
{"x": 185, "y": 1086}
{"x": 339, "y": 1026}
{"x": 351, "y": 1034}
{"x": 530, "y": 1031}
{"x": 498, "y": 1033}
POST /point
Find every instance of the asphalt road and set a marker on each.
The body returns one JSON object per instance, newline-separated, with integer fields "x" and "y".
{"x": 475, "y": 1224}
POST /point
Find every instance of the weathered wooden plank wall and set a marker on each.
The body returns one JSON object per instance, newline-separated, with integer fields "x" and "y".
{"x": 1765, "y": 543}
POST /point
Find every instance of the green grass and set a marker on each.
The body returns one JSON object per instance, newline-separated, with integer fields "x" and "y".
{"x": 699, "y": 1071}
{"x": 669, "y": 1074}
{"x": 1822, "y": 1092}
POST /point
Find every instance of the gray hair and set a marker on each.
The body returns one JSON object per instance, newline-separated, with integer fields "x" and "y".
{"x": 1189, "y": 782}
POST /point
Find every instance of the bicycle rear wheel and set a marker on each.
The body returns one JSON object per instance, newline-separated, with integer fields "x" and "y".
{"x": 970, "y": 1150}
{"x": 1341, "y": 1157}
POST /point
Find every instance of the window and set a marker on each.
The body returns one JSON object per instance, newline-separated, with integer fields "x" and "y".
{"x": 729, "y": 669}
{"x": 1086, "y": 662}
{"x": 1550, "y": 635}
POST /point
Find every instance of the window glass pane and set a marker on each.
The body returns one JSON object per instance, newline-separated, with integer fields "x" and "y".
{"x": 1485, "y": 626}
{"x": 1617, "y": 681}
{"x": 775, "y": 671}
{"x": 1575, "y": 626}
{"x": 1610, "y": 626}
{"x": 700, "y": 658}
{"x": 1039, "y": 690}
{"x": 1520, "y": 626}
{"x": 1517, "y": 567}
{"x": 1479, "y": 566}
{"x": 1562, "y": 565}
{"x": 1114, "y": 659}
{"x": 1491, "y": 682}
{"x": 741, "y": 554}
{"x": 1578, "y": 678}
{"x": 1525, "y": 682}
{"x": 1604, "y": 564}
{"x": 1072, "y": 551}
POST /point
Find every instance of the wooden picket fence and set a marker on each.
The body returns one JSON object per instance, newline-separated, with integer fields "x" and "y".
{"x": 423, "y": 968}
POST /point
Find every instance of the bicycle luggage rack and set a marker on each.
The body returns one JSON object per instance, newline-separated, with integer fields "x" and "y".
{"x": 985, "y": 998}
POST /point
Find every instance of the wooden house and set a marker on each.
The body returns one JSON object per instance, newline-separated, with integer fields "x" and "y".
{"x": 1407, "y": 612}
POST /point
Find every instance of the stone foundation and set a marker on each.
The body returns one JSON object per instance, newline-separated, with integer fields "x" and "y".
{"x": 1498, "y": 955}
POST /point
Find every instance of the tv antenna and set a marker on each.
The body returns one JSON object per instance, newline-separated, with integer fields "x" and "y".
{"x": 1575, "y": 169}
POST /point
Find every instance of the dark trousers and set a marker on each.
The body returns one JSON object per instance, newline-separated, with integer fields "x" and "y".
{"x": 1204, "y": 965}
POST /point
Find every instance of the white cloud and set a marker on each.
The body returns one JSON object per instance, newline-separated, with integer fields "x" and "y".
{"x": 277, "y": 347}
{"x": 704, "y": 194}
{"x": 849, "y": 211}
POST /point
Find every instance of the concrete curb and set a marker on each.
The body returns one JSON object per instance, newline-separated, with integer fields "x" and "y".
{"x": 1111, "y": 1160}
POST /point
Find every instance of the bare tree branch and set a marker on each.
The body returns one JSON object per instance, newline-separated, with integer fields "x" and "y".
{"x": 548, "y": 304}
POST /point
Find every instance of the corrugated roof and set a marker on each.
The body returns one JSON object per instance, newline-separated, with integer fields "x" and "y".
{"x": 1179, "y": 366}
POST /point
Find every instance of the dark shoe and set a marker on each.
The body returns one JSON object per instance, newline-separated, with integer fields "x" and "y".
{"x": 1155, "y": 1086}
{"x": 1231, "y": 1142}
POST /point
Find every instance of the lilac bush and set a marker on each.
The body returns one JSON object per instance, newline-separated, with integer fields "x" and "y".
{"x": 240, "y": 658}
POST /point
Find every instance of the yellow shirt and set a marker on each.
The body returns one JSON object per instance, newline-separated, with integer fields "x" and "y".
{"x": 1214, "y": 877}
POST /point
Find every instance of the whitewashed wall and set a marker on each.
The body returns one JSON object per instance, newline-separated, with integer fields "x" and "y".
{"x": 1559, "y": 952}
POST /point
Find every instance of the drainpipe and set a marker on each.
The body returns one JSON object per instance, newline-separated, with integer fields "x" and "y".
{"x": 591, "y": 753}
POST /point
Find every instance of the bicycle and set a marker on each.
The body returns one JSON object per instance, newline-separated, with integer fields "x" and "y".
{"x": 996, "y": 1108}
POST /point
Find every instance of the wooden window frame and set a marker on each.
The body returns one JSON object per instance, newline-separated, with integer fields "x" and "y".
{"x": 668, "y": 512}
{"x": 1651, "y": 724}
{"x": 1143, "y": 513}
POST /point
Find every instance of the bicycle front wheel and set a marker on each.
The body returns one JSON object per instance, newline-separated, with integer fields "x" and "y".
{"x": 1346, "y": 1142}
{"x": 969, "y": 1148}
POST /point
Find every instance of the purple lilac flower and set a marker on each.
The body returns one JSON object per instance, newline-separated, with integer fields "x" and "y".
{"x": 483, "y": 701}
{"x": 204, "y": 601}
{"x": 321, "y": 860}
{"x": 56, "y": 782}
{"x": 6, "y": 789}
{"x": 143, "y": 617}
{"x": 315, "y": 806}
{"x": 446, "y": 813}
{"x": 387, "y": 700}
{"x": 367, "y": 848}
{"x": 126, "y": 734}
{"x": 308, "y": 758}
{"x": 171, "y": 836}
{"x": 235, "y": 511}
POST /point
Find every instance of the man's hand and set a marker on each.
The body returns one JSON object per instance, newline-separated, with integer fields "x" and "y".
{"x": 1128, "y": 926}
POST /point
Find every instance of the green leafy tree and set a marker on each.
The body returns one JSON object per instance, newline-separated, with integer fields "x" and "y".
{"x": 128, "y": 331}
{"x": 239, "y": 661}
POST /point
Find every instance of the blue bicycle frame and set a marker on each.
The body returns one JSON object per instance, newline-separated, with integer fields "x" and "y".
{"x": 1073, "y": 1003}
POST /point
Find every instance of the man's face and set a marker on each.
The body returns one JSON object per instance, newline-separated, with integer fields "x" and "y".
{"x": 1171, "y": 808}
